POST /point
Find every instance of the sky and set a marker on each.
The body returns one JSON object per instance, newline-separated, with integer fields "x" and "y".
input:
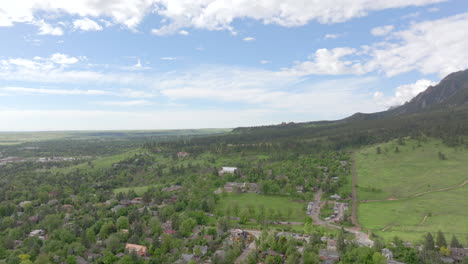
{"x": 171, "y": 64}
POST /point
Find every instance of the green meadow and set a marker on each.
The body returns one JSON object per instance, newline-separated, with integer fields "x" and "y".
{"x": 414, "y": 169}
{"x": 290, "y": 210}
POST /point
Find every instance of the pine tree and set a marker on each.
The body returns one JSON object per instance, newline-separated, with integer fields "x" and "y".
{"x": 454, "y": 243}
{"x": 429, "y": 242}
{"x": 441, "y": 240}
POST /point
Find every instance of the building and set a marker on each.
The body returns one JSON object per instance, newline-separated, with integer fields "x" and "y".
{"x": 139, "y": 250}
{"x": 182, "y": 154}
{"x": 241, "y": 187}
{"x": 387, "y": 253}
{"x": 230, "y": 170}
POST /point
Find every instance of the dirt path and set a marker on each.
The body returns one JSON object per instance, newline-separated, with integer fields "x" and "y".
{"x": 418, "y": 194}
{"x": 424, "y": 220}
{"x": 354, "y": 194}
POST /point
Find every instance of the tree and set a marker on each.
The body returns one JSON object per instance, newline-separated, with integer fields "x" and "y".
{"x": 340, "y": 243}
{"x": 429, "y": 242}
{"x": 440, "y": 241}
{"x": 377, "y": 258}
{"x": 454, "y": 243}
{"x": 187, "y": 226}
{"x": 378, "y": 150}
{"x": 122, "y": 223}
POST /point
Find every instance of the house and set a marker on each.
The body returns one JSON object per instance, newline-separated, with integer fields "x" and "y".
{"x": 328, "y": 257}
{"x": 140, "y": 250}
{"x": 343, "y": 162}
{"x": 136, "y": 200}
{"x": 331, "y": 245}
{"x": 182, "y": 154}
{"x": 230, "y": 170}
{"x": 39, "y": 233}
{"x": 387, "y": 253}
{"x": 299, "y": 188}
{"x": 459, "y": 253}
{"x": 335, "y": 196}
{"x": 238, "y": 234}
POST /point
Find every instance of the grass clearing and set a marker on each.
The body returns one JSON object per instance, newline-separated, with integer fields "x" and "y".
{"x": 413, "y": 170}
{"x": 446, "y": 211}
{"x": 292, "y": 211}
{"x": 99, "y": 163}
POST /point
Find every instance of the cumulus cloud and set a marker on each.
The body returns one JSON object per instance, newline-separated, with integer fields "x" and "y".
{"x": 382, "y": 31}
{"x": 48, "y": 29}
{"x": 183, "y": 32}
{"x": 125, "y": 12}
{"x": 403, "y": 93}
{"x": 437, "y": 46}
{"x": 327, "y": 62}
{"x": 207, "y": 14}
{"x": 219, "y": 14}
{"x": 429, "y": 47}
{"x": 265, "y": 62}
{"x": 86, "y": 24}
{"x": 248, "y": 39}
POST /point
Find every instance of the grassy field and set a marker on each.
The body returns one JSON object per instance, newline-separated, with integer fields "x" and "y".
{"x": 99, "y": 163}
{"x": 399, "y": 175}
{"x": 413, "y": 170}
{"x": 446, "y": 211}
{"x": 290, "y": 210}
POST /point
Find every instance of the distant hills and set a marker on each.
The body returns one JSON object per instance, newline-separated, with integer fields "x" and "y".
{"x": 451, "y": 92}
{"x": 440, "y": 111}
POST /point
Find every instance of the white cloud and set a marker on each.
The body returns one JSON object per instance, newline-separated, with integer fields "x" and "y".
{"x": 403, "y": 93}
{"x": 437, "y": 46}
{"x": 183, "y": 32}
{"x": 48, "y": 29}
{"x": 123, "y": 103}
{"x": 168, "y": 58}
{"x": 328, "y": 62}
{"x": 219, "y": 14}
{"x": 86, "y": 24}
{"x": 332, "y": 36}
{"x": 265, "y": 62}
{"x": 60, "y": 58}
{"x": 382, "y": 31}
{"x": 125, "y": 12}
{"x": 248, "y": 39}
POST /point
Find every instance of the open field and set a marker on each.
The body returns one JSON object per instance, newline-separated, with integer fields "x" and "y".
{"x": 99, "y": 163}
{"x": 11, "y": 138}
{"x": 388, "y": 184}
{"x": 445, "y": 211}
{"x": 413, "y": 170}
{"x": 290, "y": 210}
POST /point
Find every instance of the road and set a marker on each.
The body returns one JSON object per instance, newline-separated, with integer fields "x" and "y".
{"x": 361, "y": 237}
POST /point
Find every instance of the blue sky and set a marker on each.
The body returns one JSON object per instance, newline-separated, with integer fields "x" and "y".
{"x": 158, "y": 64}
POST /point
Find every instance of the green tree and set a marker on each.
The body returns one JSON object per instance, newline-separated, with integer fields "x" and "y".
{"x": 440, "y": 240}
{"x": 454, "y": 242}
{"x": 122, "y": 223}
{"x": 187, "y": 226}
{"x": 429, "y": 242}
